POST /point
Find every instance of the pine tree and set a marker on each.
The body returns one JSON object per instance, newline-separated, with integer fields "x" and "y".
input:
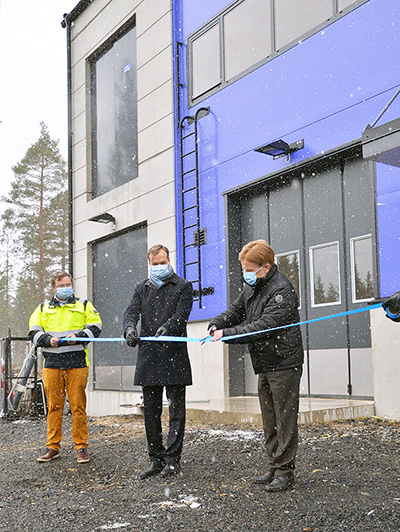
{"x": 319, "y": 291}
{"x": 38, "y": 220}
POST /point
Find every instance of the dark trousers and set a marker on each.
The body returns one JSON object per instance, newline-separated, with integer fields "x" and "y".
{"x": 278, "y": 392}
{"x": 152, "y": 399}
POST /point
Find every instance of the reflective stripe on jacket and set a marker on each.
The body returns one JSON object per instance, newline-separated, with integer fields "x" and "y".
{"x": 78, "y": 317}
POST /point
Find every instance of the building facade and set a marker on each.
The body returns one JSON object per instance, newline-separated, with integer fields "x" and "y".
{"x": 204, "y": 125}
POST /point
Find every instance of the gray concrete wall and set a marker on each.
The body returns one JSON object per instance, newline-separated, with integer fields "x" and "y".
{"x": 386, "y": 364}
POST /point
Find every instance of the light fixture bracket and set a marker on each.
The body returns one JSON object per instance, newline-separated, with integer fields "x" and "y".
{"x": 280, "y": 148}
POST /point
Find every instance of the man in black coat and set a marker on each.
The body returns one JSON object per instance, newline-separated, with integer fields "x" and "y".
{"x": 163, "y": 304}
{"x": 268, "y": 300}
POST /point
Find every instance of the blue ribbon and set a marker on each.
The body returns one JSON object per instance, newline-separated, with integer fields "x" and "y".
{"x": 224, "y": 338}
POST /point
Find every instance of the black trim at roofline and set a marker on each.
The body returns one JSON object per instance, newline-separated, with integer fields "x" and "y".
{"x": 326, "y": 158}
{"x": 78, "y": 9}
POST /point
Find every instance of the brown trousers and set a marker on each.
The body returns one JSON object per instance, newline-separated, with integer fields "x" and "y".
{"x": 57, "y": 384}
{"x": 278, "y": 392}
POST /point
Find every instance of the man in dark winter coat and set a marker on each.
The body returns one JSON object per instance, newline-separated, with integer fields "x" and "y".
{"x": 268, "y": 300}
{"x": 163, "y": 304}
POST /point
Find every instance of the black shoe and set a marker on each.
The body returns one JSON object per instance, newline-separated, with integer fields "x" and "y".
{"x": 154, "y": 469}
{"x": 266, "y": 478}
{"x": 280, "y": 483}
{"x": 171, "y": 469}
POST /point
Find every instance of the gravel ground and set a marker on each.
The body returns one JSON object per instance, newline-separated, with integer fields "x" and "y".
{"x": 347, "y": 479}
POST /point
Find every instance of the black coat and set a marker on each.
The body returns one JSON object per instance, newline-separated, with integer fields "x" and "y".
{"x": 272, "y": 302}
{"x": 161, "y": 363}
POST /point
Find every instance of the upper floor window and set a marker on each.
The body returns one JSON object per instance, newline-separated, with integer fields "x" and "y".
{"x": 206, "y": 63}
{"x": 250, "y": 32}
{"x": 113, "y": 96}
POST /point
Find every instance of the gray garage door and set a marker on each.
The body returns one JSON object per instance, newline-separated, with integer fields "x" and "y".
{"x": 321, "y": 225}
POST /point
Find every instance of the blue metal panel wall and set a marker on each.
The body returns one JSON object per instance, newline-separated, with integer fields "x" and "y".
{"x": 388, "y": 201}
{"x": 325, "y": 90}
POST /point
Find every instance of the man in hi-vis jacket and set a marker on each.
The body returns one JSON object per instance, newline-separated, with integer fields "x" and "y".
{"x": 66, "y": 364}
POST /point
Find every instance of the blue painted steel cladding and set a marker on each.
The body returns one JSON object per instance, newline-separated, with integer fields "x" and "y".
{"x": 325, "y": 90}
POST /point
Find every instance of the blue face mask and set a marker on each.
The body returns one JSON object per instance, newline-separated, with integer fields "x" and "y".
{"x": 160, "y": 272}
{"x": 65, "y": 292}
{"x": 251, "y": 277}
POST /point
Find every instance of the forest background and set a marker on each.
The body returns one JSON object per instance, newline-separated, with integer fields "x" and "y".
{"x": 33, "y": 232}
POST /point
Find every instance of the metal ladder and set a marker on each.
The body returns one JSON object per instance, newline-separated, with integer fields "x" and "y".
{"x": 192, "y": 233}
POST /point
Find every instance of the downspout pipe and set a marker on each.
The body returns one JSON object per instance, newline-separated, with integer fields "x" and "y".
{"x": 65, "y": 24}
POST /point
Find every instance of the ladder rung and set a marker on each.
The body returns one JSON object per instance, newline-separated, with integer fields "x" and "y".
{"x": 189, "y": 190}
{"x": 189, "y": 245}
{"x": 188, "y": 153}
{"x": 189, "y": 171}
{"x": 188, "y": 135}
{"x": 189, "y": 226}
{"x": 191, "y": 263}
{"x": 189, "y": 208}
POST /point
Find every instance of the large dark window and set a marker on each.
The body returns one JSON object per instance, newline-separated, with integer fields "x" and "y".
{"x": 119, "y": 263}
{"x": 250, "y": 32}
{"x": 114, "y": 114}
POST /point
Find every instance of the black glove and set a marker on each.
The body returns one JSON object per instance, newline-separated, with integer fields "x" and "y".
{"x": 131, "y": 336}
{"x": 393, "y": 302}
{"x": 161, "y": 331}
{"x": 211, "y": 327}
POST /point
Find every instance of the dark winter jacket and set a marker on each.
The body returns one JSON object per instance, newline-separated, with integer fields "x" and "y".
{"x": 271, "y": 302}
{"x": 161, "y": 363}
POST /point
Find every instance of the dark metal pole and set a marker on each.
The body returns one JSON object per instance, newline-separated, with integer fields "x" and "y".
{"x": 67, "y": 25}
{"x": 7, "y": 366}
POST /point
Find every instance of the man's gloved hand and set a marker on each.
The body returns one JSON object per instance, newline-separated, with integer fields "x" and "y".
{"x": 393, "y": 302}
{"x": 131, "y": 336}
{"x": 161, "y": 331}
{"x": 211, "y": 327}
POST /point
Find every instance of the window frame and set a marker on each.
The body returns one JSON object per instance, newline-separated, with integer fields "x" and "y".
{"x": 353, "y": 270}
{"x": 312, "y": 290}
{"x": 207, "y": 28}
{"x": 103, "y": 49}
{"x": 219, "y": 19}
{"x": 285, "y": 254}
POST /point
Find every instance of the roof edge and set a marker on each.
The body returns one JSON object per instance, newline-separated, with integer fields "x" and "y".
{"x": 74, "y": 14}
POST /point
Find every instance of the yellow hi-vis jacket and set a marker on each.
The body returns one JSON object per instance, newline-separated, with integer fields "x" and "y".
{"x": 78, "y": 317}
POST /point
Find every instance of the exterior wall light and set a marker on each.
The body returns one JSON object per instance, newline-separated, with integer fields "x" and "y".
{"x": 103, "y": 218}
{"x": 280, "y": 148}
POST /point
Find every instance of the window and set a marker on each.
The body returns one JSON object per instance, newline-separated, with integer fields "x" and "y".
{"x": 342, "y": 4}
{"x": 247, "y": 36}
{"x": 119, "y": 263}
{"x": 114, "y": 115}
{"x": 248, "y": 33}
{"x": 289, "y": 265}
{"x": 294, "y": 18}
{"x": 206, "y": 61}
{"x": 325, "y": 276}
{"x": 361, "y": 268}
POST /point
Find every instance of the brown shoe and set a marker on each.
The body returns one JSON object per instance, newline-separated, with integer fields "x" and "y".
{"x": 49, "y": 455}
{"x": 83, "y": 456}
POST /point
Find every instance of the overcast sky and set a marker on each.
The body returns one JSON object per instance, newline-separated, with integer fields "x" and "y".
{"x": 33, "y": 78}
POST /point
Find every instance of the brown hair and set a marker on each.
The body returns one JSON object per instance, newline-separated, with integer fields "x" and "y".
{"x": 259, "y": 252}
{"x": 155, "y": 249}
{"x": 58, "y": 275}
